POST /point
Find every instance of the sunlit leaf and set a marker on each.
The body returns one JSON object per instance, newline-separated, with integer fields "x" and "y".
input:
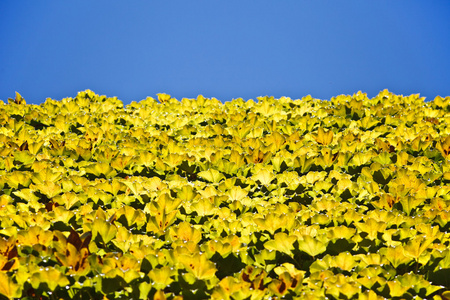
{"x": 8, "y": 287}
{"x": 395, "y": 255}
{"x": 311, "y": 246}
{"x": 185, "y": 232}
{"x": 50, "y": 276}
{"x": 237, "y": 193}
{"x": 75, "y": 260}
{"x": 324, "y": 137}
{"x": 371, "y": 227}
{"x": 104, "y": 229}
{"x": 264, "y": 176}
{"x": 101, "y": 169}
{"x": 198, "y": 265}
{"x": 162, "y": 277}
{"x": 416, "y": 246}
{"x": 211, "y": 175}
{"x": 281, "y": 242}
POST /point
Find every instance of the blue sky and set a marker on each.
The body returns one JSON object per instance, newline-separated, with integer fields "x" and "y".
{"x": 223, "y": 49}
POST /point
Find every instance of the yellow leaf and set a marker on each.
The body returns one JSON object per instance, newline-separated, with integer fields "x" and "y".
{"x": 211, "y": 175}
{"x": 185, "y": 232}
{"x": 204, "y": 207}
{"x": 75, "y": 260}
{"x": 8, "y": 288}
{"x": 106, "y": 230}
{"x": 324, "y": 137}
{"x": 264, "y": 176}
{"x": 121, "y": 162}
{"x": 444, "y": 147}
{"x": 311, "y": 246}
{"x": 49, "y": 189}
{"x": 371, "y": 227}
{"x": 162, "y": 277}
{"x": 159, "y": 295}
{"x": 415, "y": 247}
{"x": 395, "y": 255}
{"x": 67, "y": 199}
{"x": 345, "y": 261}
{"x": 216, "y": 246}
{"x": 35, "y": 235}
{"x": 162, "y": 98}
{"x": 51, "y": 276}
{"x": 46, "y": 175}
{"x": 16, "y": 178}
{"x": 198, "y": 265}
{"x": 281, "y": 242}
{"x": 229, "y": 286}
{"x": 236, "y": 193}
{"x": 101, "y": 168}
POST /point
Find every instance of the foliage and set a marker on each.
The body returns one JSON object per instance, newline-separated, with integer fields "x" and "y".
{"x": 196, "y": 199}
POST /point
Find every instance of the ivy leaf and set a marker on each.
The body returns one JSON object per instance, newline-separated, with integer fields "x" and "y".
{"x": 162, "y": 277}
{"x": 162, "y": 98}
{"x": 324, "y": 137}
{"x": 101, "y": 168}
{"x": 281, "y": 242}
{"x": 236, "y": 193}
{"x": 311, "y": 246}
{"x": 211, "y": 175}
{"x": 8, "y": 287}
{"x": 103, "y": 229}
{"x": 198, "y": 265}
{"x": 25, "y": 157}
{"x": 185, "y": 232}
{"x": 371, "y": 227}
{"x": 264, "y": 176}
{"x": 417, "y": 246}
{"x": 50, "y": 276}
{"x": 395, "y": 255}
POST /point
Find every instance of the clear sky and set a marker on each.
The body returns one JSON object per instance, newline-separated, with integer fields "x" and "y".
{"x": 223, "y": 49}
